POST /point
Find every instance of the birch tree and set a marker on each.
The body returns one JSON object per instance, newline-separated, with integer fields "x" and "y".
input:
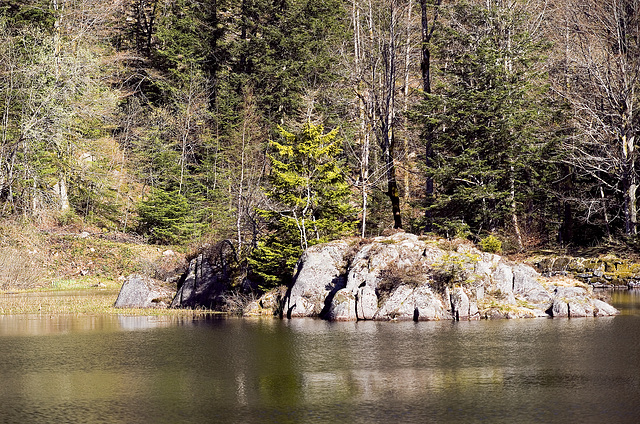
{"x": 382, "y": 49}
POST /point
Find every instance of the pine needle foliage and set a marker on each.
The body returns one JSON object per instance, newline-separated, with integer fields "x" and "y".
{"x": 487, "y": 118}
{"x": 166, "y": 217}
{"x": 310, "y": 199}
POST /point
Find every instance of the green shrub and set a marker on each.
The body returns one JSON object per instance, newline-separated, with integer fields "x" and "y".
{"x": 67, "y": 217}
{"x": 491, "y": 244}
{"x": 272, "y": 263}
{"x": 166, "y": 217}
{"x": 452, "y": 229}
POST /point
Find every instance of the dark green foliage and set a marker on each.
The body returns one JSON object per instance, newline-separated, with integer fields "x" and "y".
{"x": 272, "y": 262}
{"x": 26, "y": 14}
{"x": 166, "y": 217}
{"x": 486, "y": 119}
{"x": 281, "y": 49}
{"x": 180, "y": 36}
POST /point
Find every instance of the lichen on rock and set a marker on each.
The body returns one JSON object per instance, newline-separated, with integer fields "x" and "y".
{"x": 406, "y": 277}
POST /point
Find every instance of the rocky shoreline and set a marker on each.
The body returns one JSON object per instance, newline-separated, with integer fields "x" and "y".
{"x": 604, "y": 272}
{"x": 405, "y": 277}
{"x": 399, "y": 277}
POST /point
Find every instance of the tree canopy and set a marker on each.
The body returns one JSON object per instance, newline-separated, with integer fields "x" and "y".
{"x": 167, "y": 118}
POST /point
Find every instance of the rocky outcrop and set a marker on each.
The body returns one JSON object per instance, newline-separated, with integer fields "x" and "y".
{"x": 602, "y": 272}
{"x": 323, "y": 274}
{"x": 405, "y": 277}
{"x": 200, "y": 286}
{"x": 207, "y": 281}
{"x": 143, "y": 292}
{"x": 269, "y": 304}
{"x": 342, "y": 307}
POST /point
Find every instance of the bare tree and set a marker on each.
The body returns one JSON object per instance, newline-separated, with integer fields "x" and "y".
{"x": 378, "y": 82}
{"x": 52, "y": 82}
{"x": 601, "y": 78}
{"x": 427, "y": 29}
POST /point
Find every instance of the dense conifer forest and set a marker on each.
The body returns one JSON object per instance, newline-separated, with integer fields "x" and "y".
{"x": 279, "y": 124}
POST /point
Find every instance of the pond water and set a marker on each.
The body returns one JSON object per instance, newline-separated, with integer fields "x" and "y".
{"x": 118, "y": 369}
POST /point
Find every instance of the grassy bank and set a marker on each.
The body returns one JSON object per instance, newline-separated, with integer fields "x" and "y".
{"x": 88, "y": 296}
{"x": 77, "y": 270}
{"x": 32, "y": 257}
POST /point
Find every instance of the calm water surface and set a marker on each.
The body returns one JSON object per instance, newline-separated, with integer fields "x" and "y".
{"x": 92, "y": 369}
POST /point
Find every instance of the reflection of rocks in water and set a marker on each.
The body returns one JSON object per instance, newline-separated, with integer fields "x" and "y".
{"x": 132, "y": 323}
{"x": 408, "y": 384}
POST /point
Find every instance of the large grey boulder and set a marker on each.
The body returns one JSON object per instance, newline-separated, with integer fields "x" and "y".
{"x": 578, "y": 302}
{"x": 201, "y": 286}
{"x": 398, "y": 252}
{"x": 142, "y": 292}
{"x": 460, "y": 305}
{"x": 526, "y": 285}
{"x": 319, "y": 275}
{"x": 343, "y": 306}
{"x": 207, "y": 282}
{"x": 400, "y": 305}
{"x": 418, "y": 304}
{"x": 429, "y": 305}
{"x": 366, "y": 303}
{"x": 502, "y": 283}
{"x": 603, "y": 309}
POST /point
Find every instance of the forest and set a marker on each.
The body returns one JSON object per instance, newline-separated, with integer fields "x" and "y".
{"x": 279, "y": 124}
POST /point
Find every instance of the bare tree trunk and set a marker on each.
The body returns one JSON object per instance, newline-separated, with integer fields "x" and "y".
{"x": 388, "y": 118}
{"x": 427, "y": 34}
{"x": 186, "y": 131}
{"x": 364, "y": 132}
{"x": 514, "y": 209}
{"x": 606, "y": 214}
{"x": 605, "y": 46}
{"x": 240, "y": 187}
{"x": 61, "y": 192}
{"x": 405, "y": 109}
{"x": 508, "y": 65}
{"x": 425, "y": 67}
{"x": 630, "y": 184}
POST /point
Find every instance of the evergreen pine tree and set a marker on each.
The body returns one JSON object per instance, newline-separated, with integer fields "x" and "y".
{"x": 166, "y": 217}
{"x": 310, "y": 200}
{"x": 487, "y": 116}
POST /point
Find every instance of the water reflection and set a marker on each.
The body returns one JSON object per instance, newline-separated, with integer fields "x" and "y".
{"x": 628, "y": 301}
{"x": 46, "y": 324}
{"x": 164, "y": 369}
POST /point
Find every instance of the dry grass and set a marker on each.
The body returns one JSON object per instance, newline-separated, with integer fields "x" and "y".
{"x": 22, "y": 258}
{"x": 31, "y": 257}
{"x": 86, "y": 296}
{"x": 59, "y": 270}
{"x": 20, "y": 267}
{"x": 562, "y": 281}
